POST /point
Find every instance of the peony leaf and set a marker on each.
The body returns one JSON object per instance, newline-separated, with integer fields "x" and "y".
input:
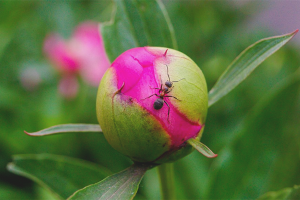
{"x": 123, "y": 185}
{"x": 61, "y": 175}
{"x": 202, "y": 148}
{"x": 65, "y": 128}
{"x": 245, "y": 63}
{"x": 285, "y": 194}
{"x": 135, "y": 25}
{"x": 264, "y": 149}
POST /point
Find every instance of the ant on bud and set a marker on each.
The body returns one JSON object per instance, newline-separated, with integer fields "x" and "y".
{"x": 163, "y": 91}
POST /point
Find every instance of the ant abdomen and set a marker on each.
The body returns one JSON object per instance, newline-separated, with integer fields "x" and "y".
{"x": 158, "y": 103}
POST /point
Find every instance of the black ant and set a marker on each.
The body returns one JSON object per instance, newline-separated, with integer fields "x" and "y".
{"x": 163, "y": 91}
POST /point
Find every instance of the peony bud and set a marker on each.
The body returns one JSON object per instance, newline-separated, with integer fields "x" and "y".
{"x": 150, "y": 102}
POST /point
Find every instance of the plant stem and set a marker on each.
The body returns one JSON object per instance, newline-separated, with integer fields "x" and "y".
{"x": 167, "y": 186}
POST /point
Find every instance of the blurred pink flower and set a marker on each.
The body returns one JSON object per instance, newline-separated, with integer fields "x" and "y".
{"x": 83, "y": 54}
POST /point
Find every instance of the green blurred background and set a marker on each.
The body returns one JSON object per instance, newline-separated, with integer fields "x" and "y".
{"x": 255, "y": 129}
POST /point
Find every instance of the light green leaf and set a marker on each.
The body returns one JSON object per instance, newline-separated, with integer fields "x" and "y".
{"x": 285, "y": 194}
{"x": 202, "y": 148}
{"x": 61, "y": 175}
{"x": 134, "y": 24}
{"x": 245, "y": 63}
{"x": 123, "y": 185}
{"x": 65, "y": 128}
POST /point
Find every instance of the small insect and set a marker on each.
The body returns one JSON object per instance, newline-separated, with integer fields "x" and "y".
{"x": 163, "y": 91}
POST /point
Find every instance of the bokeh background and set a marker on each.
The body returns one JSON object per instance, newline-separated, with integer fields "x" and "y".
{"x": 255, "y": 129}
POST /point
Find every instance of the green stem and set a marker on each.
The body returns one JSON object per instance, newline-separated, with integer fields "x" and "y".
{"x": 167, "y": 186}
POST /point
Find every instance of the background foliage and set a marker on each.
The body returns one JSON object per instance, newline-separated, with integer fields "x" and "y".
{"x": 254, "y": 129}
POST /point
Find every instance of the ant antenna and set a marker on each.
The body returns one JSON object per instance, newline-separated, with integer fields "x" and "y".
{"x": 168, "y": 72}
{"x": 178, "y": 80}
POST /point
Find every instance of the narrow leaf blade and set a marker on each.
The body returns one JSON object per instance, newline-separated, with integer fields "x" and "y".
{"x": 66, "y": 128}
{"x": 61, "y": 175}
{"x": 123, "y": 185}
{"x": 245, "y": 63}
{"x": 202, "y": 148}
{"x": 134, "y": 25}
{"x": 285, "y": 194}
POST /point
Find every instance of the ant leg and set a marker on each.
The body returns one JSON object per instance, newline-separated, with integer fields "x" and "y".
{"x": 173, "y": 97}
{"x": 168, "y": 110}
{"x": 178, "y": 80}
{"x": 160, "y": 84}
{"x": 153, "y": 88}
{"x": 149, "y": 96}
{"x": 169, "y": 90}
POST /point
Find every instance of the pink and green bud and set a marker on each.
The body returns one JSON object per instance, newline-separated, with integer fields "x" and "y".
{"x": 150, "y": 102}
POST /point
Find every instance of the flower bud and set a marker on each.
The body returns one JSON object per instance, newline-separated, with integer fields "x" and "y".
{"x": 150, "y": 102}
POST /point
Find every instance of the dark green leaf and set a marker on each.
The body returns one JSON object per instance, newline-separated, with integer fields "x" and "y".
{"x": 264, "y": 154}
{"x": 202, "y": 148}
{"x": 134, "y": 24}
{"x": 66, "y": 128}
{"x": 245, "y": 63}
{"x": 123, "y": 185}
{"x": 62, "y": 175}
{"x": 285, "y": 194}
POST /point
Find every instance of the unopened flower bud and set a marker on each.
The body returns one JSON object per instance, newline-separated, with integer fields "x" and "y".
{"x": 150, "y": 102}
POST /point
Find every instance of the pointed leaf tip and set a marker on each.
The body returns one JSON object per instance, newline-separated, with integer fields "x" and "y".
{"x": 202, "y": 148}
{"x": 293, "y": 33}
{"x": 27, "y": 133}
{"x": 296, "y": 31}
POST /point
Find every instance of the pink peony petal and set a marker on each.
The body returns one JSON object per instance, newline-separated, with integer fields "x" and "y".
{"x": 59, "y": 54}
{"x": 87, "y": 45}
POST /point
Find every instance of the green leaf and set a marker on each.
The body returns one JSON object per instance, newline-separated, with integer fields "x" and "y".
{"x": 123, "y": 185}
{"x": 285, "y": 194}
{"x": 65, "y": 128}
{"x": 137, "y": 23}
{"x": 9, "y": 192}
{"x": 245, "y": 63}
{"x": 202, "y": 148}
{"x": 264, "y": 154}
{"x": 61, "y": 175}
